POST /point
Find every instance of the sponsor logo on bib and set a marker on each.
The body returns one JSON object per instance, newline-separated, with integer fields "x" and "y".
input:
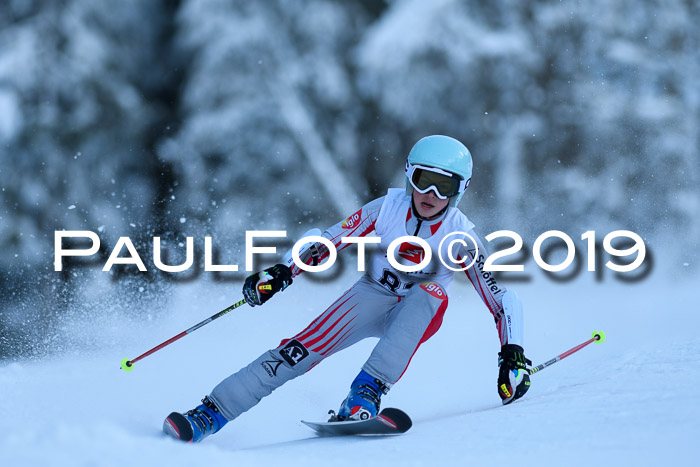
{"x": 411, "y": 252}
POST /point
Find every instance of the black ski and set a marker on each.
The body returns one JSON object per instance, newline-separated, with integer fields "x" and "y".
{"x": 388, "y": 422}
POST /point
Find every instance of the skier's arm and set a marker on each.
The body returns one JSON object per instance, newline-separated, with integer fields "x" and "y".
{"x": 491, "y": 292}
{"x": 359, "y": 224}
{"x": 258, "y": 288}
{"x": 505, "y": 306}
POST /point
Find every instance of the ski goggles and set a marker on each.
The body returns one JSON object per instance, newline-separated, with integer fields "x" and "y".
{"x": 443, "y": 183}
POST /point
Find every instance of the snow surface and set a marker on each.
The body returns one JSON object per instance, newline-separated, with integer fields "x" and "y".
{"x": 628, "y": 401}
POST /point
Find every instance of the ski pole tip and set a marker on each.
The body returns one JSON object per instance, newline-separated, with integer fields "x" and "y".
{"x": 598, "y": 337}
{"x": 127, "y": 365}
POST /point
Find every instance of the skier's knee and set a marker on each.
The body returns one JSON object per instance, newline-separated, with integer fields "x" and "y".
{"x": 293, "y": 355}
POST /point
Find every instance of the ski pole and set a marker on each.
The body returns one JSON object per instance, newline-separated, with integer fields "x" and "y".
{"x": 598, "y": 337}
{"x": 128, "y": 365}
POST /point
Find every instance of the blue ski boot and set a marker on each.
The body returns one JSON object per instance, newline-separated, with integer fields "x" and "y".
{"x": 363, "y": 400}
{"x": 195, "y": 425}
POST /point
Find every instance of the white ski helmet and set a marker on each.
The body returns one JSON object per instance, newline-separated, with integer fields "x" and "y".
{"x": 442, "y": 155}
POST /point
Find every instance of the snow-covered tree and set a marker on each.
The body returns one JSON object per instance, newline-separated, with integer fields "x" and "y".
{"x": 268, "y": 115}
{"x": 578, "y": 113}
{"x": 79, "y": 108}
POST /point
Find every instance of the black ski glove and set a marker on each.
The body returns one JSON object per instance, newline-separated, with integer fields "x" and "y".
{"x": 260, "y": 287}
{"x": 513, "y": 375}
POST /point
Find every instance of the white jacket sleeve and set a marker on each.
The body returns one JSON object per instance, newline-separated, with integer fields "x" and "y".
{"x": 494, "y": 294}
{"x": 359, "y": 224}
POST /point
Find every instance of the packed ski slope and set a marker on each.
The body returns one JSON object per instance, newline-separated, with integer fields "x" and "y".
{"x": 629, "y": 401}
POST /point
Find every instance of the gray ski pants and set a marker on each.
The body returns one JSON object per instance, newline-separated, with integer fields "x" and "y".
{"x": 365, "y": 310}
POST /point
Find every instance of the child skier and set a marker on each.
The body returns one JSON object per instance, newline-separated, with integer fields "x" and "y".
{"x": 404, "y": 309}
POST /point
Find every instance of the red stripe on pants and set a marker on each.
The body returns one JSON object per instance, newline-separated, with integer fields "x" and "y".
{"x": 432, "y": 328}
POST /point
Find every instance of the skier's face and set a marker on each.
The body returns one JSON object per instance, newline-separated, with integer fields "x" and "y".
{"x": 428, "y": 205}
